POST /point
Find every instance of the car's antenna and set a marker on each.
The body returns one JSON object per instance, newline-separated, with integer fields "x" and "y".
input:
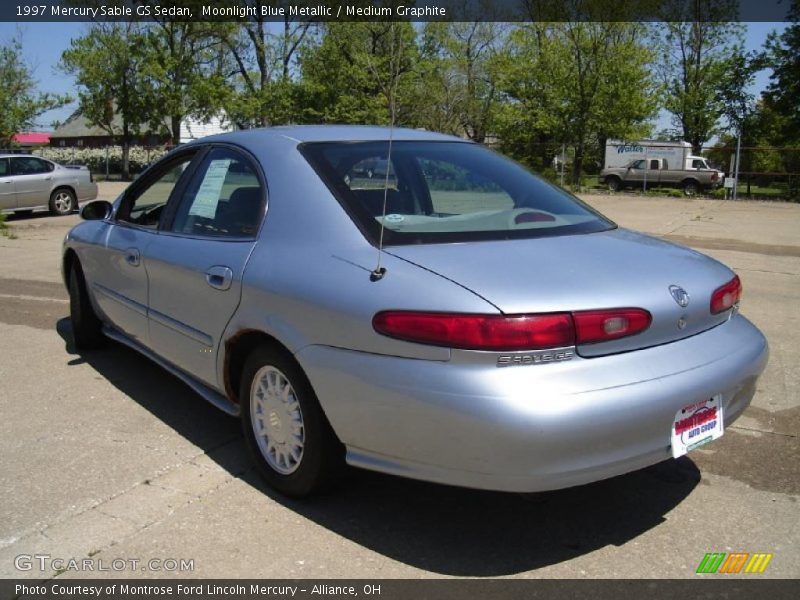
{"x": 394, "y": 74}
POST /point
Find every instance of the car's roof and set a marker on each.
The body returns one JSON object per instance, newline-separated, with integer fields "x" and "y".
{"x": 330, "y": 133}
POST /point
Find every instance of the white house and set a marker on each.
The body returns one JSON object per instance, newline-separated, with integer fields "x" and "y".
{"x": 193, "y": 129}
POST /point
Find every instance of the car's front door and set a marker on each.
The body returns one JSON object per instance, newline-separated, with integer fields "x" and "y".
{"x": 119, "y": 279}
{"x": 196, "y": 264}
{"x": 8, "y": 198}
{"x": 33, "y": 178}
{"x": 636, "y": 172}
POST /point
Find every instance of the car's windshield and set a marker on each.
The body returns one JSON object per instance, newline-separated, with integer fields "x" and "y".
{"x": 446, "y": 191}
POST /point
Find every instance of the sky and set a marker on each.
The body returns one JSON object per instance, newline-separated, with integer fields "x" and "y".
{"x": 43, "y": 44}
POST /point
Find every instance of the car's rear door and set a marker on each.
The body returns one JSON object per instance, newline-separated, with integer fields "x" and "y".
{"x": 33, "y": 178}
{"x": 195, "y": 265}
{"x": 8, "y": 198}
{"x": 114, "y": 266}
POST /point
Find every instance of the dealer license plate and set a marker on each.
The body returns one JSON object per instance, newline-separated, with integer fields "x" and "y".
{"x": 697, "y": 424}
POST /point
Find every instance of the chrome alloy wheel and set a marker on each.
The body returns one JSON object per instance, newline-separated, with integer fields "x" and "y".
{"x": 277, "y": 420}
{"x": 63, "y": 202}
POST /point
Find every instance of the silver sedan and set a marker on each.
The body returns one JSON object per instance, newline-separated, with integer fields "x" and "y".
{"x": 454, "y": 319}
{"x": 30, "y": 183}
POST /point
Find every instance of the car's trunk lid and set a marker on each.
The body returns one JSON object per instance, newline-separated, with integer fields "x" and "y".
{"x": 612, "y": 269}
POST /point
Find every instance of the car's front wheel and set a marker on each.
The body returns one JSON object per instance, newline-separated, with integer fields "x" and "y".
{"x": 86, "y": 326}
{"x": 62, "y": 202}
{"x": 293, "y": 444}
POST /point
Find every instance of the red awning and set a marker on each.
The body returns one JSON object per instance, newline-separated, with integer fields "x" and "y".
{"x": 32, "y": 138}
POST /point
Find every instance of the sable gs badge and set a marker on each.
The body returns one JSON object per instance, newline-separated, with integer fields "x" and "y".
{"x": 697, "y": 424}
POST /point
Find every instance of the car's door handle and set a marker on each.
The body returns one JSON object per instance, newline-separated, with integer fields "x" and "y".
{"x": 219, "y": 278}
{"x": 132, "y": 257}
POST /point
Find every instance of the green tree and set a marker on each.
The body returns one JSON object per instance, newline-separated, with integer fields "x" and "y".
{"x": 359, "y": 71}
{"x": 695, "y": 56}
{"x": 180, "y": 61}
{"x": 107, "y": 64}
{"x": 457, "y": 80}
{"x": 21, "y": 102}
{"x": 574, "y": 83}
{"x": 783, "y": 57}
{"x": 262, "y": 59}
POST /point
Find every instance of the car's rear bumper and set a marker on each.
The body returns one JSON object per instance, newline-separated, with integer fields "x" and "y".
{"x": 529, "y": 428}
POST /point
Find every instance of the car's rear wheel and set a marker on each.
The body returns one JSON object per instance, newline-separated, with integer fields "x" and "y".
{"x": 614, "y": 184}
{"x": 62, "y": 202}
{"x": 86, "y": 326}
{"x": 293, "y": 444}
{"x": 690, "y": 188}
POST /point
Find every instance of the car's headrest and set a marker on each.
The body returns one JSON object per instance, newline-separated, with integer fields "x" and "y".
{"x": 396, "y": 202}
{"x": 243, "y": 213}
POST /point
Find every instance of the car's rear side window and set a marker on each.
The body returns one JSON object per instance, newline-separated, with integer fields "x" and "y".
{"x": 224, "y": 198}
{"x": 28, "y": 165}
{"x": 429, "y": 192}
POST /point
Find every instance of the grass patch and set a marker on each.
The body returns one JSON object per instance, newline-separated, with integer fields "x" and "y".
{"x": 5, "y": 230}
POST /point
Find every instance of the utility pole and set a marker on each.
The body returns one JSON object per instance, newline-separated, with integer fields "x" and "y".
{"x": 644, "y": 181}
{"x": 738, "y": 154}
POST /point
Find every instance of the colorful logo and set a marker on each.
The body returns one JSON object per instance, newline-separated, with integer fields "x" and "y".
{"x": 735, "y": 562}
{"x": 622, "y": 149}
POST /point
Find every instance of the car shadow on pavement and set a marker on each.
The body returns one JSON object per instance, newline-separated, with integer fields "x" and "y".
{"x": 25, "y": 215}
{"x": 440, "y": 529}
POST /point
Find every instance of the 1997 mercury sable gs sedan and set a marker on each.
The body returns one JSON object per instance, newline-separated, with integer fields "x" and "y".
{"x": 453, "y": 319}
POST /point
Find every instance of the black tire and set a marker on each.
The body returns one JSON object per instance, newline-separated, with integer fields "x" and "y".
{"x": 690, "y": 188}
{"x": 321, "y": 459}
{"x": 62, "y": 202}
{"x": 614, "y": 184}
{"x": 86, "y": 326}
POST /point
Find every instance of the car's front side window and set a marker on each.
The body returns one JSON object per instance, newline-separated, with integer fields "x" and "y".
{"x": 224, "y": 198}
{"x": 3, "y": 167}
{"x": 146, "y": 206}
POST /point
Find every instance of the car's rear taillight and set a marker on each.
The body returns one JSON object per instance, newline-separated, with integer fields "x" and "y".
{"x": 726, "y": 296}
{"x": 478, "y": 332}
{"x": 511, "y": 332}
{"x": 593, "y": 326}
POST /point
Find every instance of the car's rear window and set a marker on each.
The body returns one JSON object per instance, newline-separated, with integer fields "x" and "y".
{"x": 445, "y": 192}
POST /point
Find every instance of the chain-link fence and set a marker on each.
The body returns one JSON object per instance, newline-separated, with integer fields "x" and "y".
{"x": 765, "y": 173}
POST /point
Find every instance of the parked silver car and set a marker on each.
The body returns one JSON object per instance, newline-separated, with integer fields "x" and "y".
{"x": 506, "y": 336}
{"x": 30, "y": 183}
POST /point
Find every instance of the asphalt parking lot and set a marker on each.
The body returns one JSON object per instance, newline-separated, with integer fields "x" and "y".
{"x": 106, "y": 456}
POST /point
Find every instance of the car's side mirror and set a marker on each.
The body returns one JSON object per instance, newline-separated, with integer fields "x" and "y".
{"x": 97, "y": 210}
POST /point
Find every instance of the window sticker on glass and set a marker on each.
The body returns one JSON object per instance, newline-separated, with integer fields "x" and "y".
{"x": 205, "y": 203}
